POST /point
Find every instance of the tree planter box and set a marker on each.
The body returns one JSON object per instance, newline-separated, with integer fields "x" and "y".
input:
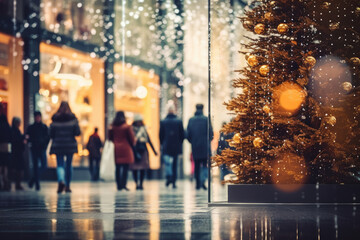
{"x": 305, "y": 194}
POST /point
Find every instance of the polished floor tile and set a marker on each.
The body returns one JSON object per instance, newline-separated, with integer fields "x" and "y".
{"x": 98, "y": 211}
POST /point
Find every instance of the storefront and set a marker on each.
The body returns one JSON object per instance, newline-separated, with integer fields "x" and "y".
{"x": 137, "y": 92}
{"x": 11, "y": 76}
{"x": 69, "y": 75}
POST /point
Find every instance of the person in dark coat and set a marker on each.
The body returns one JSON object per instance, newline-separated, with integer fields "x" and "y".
{"x": 171, "y": 140}
{"x": 223, "y": 143}
{"x": 5, "y": 151}
{"x": 199, "y": 136}
{"x": 38, "y": 136}
{"x": 94, "y": 146}
{"x": 63, "y": 130}
{"x": 17, "y": 152}
{"x": 122, "y": 135}
{"x": 142, "y": 138}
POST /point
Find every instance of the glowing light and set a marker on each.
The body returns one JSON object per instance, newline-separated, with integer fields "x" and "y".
{"x": 141, "y": 92}
{"x": 54, "y": 99}
{"x": 288, "y": 98}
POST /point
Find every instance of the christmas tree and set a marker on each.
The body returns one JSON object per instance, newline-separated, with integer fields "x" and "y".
{"x": 297, "y": 118}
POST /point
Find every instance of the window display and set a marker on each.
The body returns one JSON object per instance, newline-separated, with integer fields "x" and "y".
{"x": 81, "y": 20}
{"x": 137, "y": 92}
{"x": 294, "y": 106}
{"x": 67, "y": 75}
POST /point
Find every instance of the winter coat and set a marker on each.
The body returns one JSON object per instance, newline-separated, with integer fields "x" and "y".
{"x": 5, "y": 135}
{"x": 171, "y": 135}
{"x": 198, "y": 136}
{"x": 38, "y": 136}
{"x": 123, "y": 138}
{"x": 141, "y": 136}
{"x": 94, "y": 145}
{"x": 17, "y": 149}
{"x": 63, "y": 131}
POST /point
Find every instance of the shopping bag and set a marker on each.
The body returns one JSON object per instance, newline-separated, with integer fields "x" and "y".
{"x": 168, "y": 160}
{"x": 107, "y": 164}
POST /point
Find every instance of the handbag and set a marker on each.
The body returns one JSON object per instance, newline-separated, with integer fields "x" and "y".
{"x": 107, "y": 163}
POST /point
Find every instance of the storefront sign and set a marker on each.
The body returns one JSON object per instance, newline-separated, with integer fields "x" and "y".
{"x": 4, "y": 54}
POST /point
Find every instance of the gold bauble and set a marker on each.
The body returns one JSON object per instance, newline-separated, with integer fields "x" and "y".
{"x": 272, "y": 3}
{"x": 355, "y": 60}
{"x": 232, "y": 144}
{"x": 326, "y": 5}
{"x": 259, "y": 28}
{"x": 302, "y": 81}
{"x": 237, "y": 138}
{"x": 283, "y": 28}
{"x": 264, "y": 70}
{"x": 310, "y": 61}
{"x": 346, "y": 86}
{"x": 252, "y": 60}
{"x": 258, "y": 142}
{"x": 357, "y": 109}
{"x": 247, "y": 24}
{"x": 331, "y": 120}
{"x": 334, "y": 26}
{"x": 266, "y": 109}
{"x": 357, "y": 11}
{"x": 269, "y": 16}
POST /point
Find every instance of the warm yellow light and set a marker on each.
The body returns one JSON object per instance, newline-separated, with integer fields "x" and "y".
{"x": 291, "y": 99}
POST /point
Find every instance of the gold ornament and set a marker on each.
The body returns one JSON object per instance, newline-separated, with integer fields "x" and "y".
{"x": 259, "y": 28}
{"x": 232, "y": 144}
{"x": 355, "y": 60}
{"x": 266, "y": 109}
{"x": 310, "y": 61}
{"x": 331, "y": 120}
{"x": 258, "y": 142}
{"x": 357, "y": 11}
{"x": 273, "y": 3}
{"x": 252, "y": 60}
{"x": 346, "y": 86}
{"x": 264, "y": 70}
{"x": 247, "y": 24}
{"x": 237, "y": 138}
{"x": 326, "y": 5}
{"x": 357, "y": 109}
{"x": 283, "y": 28}
{"x": 334, "y": 26}
{"x": 302, "y": 81}
{"x": 269, "y": 16}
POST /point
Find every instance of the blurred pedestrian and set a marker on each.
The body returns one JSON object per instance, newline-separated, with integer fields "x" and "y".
{"x": 38, "y": 137}
{"x": 63, "y": 130}
{"x": 142, "y": 161}
{"x": 122, "y": 135}
{"x": 171, "y": 140}
{"x": 5, "y": 151}
{"x": 94, "y": 146}
{"x": 223, "y": 143}
{"x": 199, "y": 136}
{"x": 17, "y": 163}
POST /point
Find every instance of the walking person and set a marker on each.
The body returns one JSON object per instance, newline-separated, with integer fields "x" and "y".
{"x": 198, "y": 135}
{"x": 122, "y": 135}
{"x": 63, "y": 130}
{"x": 5, "y": 150}
{"x": 94, "y": 146}
{"x": 38, "y": 137}
{"x": 171, "y": 140}
{"x": 17, "y": 163}
{"x": 142, "y": 163}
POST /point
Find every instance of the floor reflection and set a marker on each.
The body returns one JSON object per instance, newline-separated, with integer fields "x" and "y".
{"x": 98, "y": 211}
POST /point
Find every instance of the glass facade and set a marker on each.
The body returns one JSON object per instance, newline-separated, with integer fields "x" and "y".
{"x": 68, "y": 75}
{"x": 288, "y": 74}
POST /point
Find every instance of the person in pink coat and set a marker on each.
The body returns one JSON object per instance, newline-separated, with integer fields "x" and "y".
{"x": 122, "y": 135}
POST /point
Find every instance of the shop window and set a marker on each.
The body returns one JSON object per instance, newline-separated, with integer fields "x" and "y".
{"x": 137, "y": 92}
{"x": 67, "y": 75}
{"x": 81, "y": 20}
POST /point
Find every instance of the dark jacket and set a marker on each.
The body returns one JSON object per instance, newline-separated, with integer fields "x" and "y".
{"x": 223, "y": 142}
{"x": 171, "y": 135}
{"x": 124, "y": 139}
{"x": 17, "y": 148}
{"x": 38, "y": 136}
{"x": 198, "y": 136}
{"x": 94, "y": 145}
{"x": 63, "y": 131}
{"x": 5, "y": 134}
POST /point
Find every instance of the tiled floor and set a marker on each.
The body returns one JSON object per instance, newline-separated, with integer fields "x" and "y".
{"x": 97, "y": 211}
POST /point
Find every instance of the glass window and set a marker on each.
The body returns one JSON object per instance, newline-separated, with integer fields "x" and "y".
{"x": 68, "y": 75}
